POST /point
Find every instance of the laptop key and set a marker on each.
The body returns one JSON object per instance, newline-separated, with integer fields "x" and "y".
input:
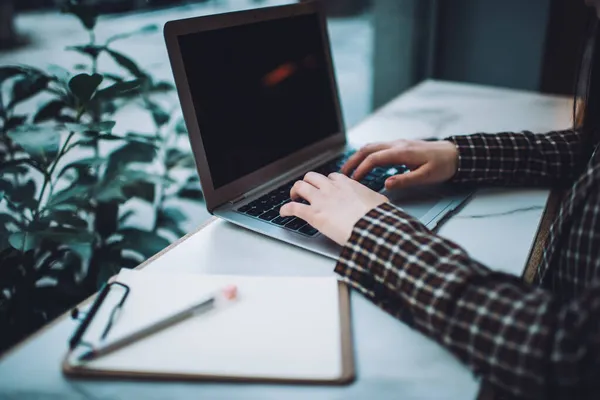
{"x": 375, "y": 185}
{"x": 269, "y": 215}
{"x": 368, "y": 178}
{"x": 254, "y": 211}
{"x": 245, "y": 208}
{"x": 278, "y": 206}
{"x": 295, "y": 224}
{"x": 308, "y": 230}
{"x": 281, "y": 221}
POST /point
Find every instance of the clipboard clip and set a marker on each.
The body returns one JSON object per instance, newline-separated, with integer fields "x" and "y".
{"x": 86, "y": 318}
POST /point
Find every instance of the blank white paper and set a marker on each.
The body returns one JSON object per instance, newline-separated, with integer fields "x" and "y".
{"x": 283, "y": 328}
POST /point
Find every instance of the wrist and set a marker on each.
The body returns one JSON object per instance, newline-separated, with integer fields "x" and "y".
{"x": 452, "y": 156}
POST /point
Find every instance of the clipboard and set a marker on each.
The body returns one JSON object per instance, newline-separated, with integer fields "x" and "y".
{"x": 147, "y": 369}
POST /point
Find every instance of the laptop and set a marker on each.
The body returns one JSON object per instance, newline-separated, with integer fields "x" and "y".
{"x": 260, "y": 101}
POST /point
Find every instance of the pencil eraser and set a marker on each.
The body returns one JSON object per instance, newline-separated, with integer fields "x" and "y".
{"x": 230, "y": 292}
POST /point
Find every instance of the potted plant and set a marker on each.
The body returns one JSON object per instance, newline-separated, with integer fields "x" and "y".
{"x": 64, "y": 222}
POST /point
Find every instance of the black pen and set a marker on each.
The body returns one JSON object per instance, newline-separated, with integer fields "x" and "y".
{"x": 229, "y": 293}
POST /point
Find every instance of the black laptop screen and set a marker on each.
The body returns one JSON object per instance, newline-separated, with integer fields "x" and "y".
{"x": 261, "y": 92}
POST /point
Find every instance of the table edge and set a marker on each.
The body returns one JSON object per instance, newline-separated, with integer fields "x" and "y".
{"x": 537, "y": 250}
{"x": 66, "y": 314}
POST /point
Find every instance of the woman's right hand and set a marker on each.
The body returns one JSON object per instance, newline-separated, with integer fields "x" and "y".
{"x": 429, "y": 162}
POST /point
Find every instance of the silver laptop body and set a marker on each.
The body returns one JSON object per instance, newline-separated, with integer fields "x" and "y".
{"x": 260, "y": 101}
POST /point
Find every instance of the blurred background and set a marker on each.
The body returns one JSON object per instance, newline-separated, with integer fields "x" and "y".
{"x": 96, "y": 172}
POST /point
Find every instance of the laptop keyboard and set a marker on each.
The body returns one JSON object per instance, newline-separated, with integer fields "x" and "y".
{"x": 266, "y": 208}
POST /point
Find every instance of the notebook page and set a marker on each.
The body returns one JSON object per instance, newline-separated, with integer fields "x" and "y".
{"x": 277, "y": 328}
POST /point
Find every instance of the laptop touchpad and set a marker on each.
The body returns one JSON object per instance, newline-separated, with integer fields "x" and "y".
{"x": 415, "y": 201}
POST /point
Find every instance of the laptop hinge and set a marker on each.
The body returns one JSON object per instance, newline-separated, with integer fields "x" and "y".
{"x": 237, "y": 199}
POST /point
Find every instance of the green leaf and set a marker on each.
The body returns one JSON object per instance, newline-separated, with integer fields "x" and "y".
{"x": 90, "y": 50}
{"x": 73, "y": 195}
{"x": 60, "y": 73}
{"x": 6, "y": 219}
{"x": 139, "y": 137}
{"x": 66, "y": 218}
{"x": 24, "y": 195}
{"x": 145, "y": 243}
{"x": 15, "y": 169}
{"x": 26, "y": 87}
{"x": 84, "y": 85}
{"x": 84, "y": 164}
{"x": 191, "y": 190}
{"x": 111, "y": 191}
{"x": 40, "y": 142}
{"x": 177, "y": 158}
{"x": 95, "y": 127}
{"x": 18, "y": 161}
{"x": 126, "y": 63}
{"x": 87, "y": 14}
{"x": 123, "y": 218}
{"x": 113, "y": 77}
{"x": 141, "y": 31}
{"x": 141, "y": 190}
{"x": 77, "y": 240}
{"x": 111, "y": 138}
{"x": 128, "y": 153}
{"x": 107, "y": 218}
{"x": 180, "y": 127}
{"x": 9, "y": 71}
{"x": 5, "y": 185}
{"x": 170, "y": 218}
{"x": 118, "y": 89}
{"x": 1, "y": 195}
{"x": 191, "y": 193}
{"x": 22, "y": 241}
{"x": 112, "y": 262}
{"x": 129, "y": 183}
{"x": 159, "y": 115}
{"x": 162, "y": 86}
{"x": 50, "y": 110}
{"x": 14, "y": 122}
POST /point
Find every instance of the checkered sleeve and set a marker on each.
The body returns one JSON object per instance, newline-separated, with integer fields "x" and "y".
{"x": 517, "y": 337}
{"x": 518, "y": 158}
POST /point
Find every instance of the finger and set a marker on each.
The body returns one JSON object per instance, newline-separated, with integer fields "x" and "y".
{"x": 360, "y": 155}
{"x": 317, "y": 180}
{"x": 294, "y": 209}
{"x": 337, "y": 177}
{"x": 420, "y": 176}
{"x": 378, "y": 159}
{"x": 303, "y": 190}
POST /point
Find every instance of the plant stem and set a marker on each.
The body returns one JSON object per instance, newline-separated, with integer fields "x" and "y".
{"x": 48, "y": 178}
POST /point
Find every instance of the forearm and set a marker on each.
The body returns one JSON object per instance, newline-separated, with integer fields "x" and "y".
{"x": 518, "y": 158}
{"x": 504, "y": 330}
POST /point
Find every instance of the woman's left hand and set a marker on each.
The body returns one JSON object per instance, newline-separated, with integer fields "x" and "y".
{"x": 337, "y": 203}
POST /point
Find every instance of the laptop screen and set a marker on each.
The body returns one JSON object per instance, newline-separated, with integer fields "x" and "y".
{"x": 261, "y": 92}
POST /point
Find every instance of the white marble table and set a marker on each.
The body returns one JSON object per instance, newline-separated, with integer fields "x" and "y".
{"x": 497, "y": 227}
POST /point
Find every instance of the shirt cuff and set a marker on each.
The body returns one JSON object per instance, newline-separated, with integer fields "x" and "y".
{"x": 467, "y": 158}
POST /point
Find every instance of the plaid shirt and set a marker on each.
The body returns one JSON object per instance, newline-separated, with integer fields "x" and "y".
{"x": 538, "y": 341}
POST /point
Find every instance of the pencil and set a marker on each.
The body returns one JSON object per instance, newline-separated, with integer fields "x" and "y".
{"x": 228, "y": 293}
